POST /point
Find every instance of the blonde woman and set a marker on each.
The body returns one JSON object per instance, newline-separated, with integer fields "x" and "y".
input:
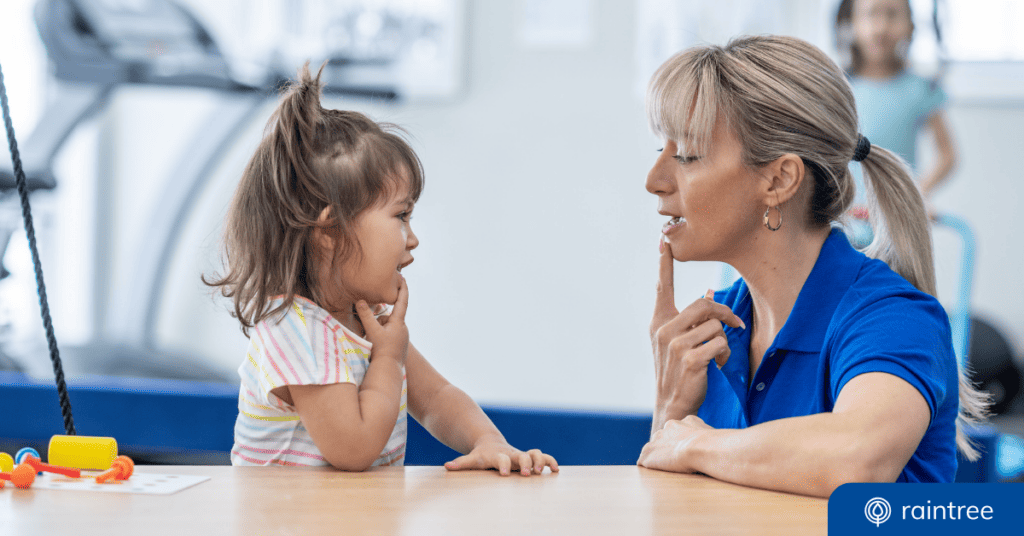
{"x": 821, "y": 365}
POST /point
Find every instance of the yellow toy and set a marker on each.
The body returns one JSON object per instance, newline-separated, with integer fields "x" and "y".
{"x": 83, "y": 452}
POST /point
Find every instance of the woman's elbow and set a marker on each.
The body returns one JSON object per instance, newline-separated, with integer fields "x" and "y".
{"x": 862, "y": 469}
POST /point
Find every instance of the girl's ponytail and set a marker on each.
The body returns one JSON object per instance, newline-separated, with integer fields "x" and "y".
{"x": 267, "y": 235}
{"x": 294, "y": 137}
{"x": 902, "y": 240}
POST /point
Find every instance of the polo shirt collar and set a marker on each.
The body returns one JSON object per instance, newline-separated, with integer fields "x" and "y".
{"x": 834, "y": 272}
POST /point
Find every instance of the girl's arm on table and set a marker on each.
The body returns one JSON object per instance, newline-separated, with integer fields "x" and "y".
{"x": 350, "y": 424}
{"x": 454, "y": 418}
{"x": 874, "y": 428}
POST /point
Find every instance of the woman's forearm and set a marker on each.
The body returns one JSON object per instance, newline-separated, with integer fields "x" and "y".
{"x": 810, "y": 455}
{"x": 666, "y": 411}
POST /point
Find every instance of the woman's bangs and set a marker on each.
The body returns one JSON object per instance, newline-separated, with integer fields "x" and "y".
{"x": 681, "y": 104}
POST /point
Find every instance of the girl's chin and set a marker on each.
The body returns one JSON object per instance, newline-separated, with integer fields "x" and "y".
{"x": 377, "y": 298}
{"x": 388, "y": 298}
{"x": 387, "y": 293}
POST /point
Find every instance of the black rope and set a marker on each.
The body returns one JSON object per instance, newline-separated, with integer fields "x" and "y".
{"x": 26, "y": 212}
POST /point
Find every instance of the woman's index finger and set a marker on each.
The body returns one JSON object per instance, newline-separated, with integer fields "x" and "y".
{"x": 665, "y": 301}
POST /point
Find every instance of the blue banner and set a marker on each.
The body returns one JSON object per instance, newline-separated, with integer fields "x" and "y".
{"x": 931, "y": 509}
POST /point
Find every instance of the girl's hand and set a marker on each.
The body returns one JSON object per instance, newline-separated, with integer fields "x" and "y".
{"x": 505, "y": 458}
{"x": 684, "y": 343}
{"x": 392, "y": 337}
{"x": 669, "y": 447}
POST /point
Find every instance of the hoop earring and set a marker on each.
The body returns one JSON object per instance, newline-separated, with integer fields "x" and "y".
{"x": 768, "y": 224}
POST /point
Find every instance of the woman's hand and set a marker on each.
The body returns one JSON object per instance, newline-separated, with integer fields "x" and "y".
{"x": 389, "y": 335}
{"x": 684, "y": 343}
{"x": 498, "y": 454}
{"x": 669, "y": 447}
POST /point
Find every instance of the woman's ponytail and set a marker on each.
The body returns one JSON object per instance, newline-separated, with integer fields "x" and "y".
{"x": 903, "y": 240}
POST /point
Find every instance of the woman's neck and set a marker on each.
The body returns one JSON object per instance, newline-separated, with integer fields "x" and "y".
{"x": 775, "y": 269}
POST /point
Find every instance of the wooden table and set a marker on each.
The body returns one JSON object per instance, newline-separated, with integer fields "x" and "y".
{"x": 418, "y": 500}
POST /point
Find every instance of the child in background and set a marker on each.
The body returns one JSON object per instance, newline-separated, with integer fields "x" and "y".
{"x": 316, "y": 239}
{"x": 893, "y": 103}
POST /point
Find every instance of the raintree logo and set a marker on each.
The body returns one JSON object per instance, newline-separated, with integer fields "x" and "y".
{"x": 877, "y": 511}
{"x": 935, "y": 509}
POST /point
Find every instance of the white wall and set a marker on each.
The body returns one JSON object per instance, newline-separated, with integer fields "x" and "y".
{"x": 986, "y": 190}
{"x": 535, "y": 275}
{"x": 534, "y": 280}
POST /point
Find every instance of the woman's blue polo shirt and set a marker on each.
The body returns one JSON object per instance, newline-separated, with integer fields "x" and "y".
{"x": 853, "y": 315}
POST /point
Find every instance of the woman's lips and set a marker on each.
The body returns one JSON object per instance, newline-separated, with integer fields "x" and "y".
{"x": 672, "y": 225}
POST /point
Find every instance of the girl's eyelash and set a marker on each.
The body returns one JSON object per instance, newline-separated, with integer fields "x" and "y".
{"x": 405, "y": 216}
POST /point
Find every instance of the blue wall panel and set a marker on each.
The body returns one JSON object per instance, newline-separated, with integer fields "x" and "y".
{"x": 171, "y": 417}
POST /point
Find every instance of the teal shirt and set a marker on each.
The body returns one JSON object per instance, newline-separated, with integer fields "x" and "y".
{"x": 892, "y": 113}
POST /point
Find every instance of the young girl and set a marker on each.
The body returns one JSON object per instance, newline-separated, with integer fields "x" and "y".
{"x": 317, "y": 236}
{"x": 894, "y": 104}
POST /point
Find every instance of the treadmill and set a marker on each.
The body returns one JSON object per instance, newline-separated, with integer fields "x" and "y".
{"x": 95, "y": 46}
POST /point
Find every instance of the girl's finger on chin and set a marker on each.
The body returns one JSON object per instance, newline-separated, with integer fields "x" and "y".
{"x": 365, "y": 315}
{"x": 402, "y": 303}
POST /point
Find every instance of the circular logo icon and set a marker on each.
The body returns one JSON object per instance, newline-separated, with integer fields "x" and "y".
{"x": 877, "y": 511}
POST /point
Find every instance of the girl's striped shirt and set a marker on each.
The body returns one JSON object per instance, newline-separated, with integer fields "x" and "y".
{"x": 304, "y": 346}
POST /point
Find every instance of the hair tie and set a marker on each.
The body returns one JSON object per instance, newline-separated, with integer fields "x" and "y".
{"x": 862, "y": 150}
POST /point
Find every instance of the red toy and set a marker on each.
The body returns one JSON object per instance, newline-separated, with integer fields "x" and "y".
{"x": 121, "y": 469}
{"x": 38, "y": 465}
{"x": 22, "y": 476}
